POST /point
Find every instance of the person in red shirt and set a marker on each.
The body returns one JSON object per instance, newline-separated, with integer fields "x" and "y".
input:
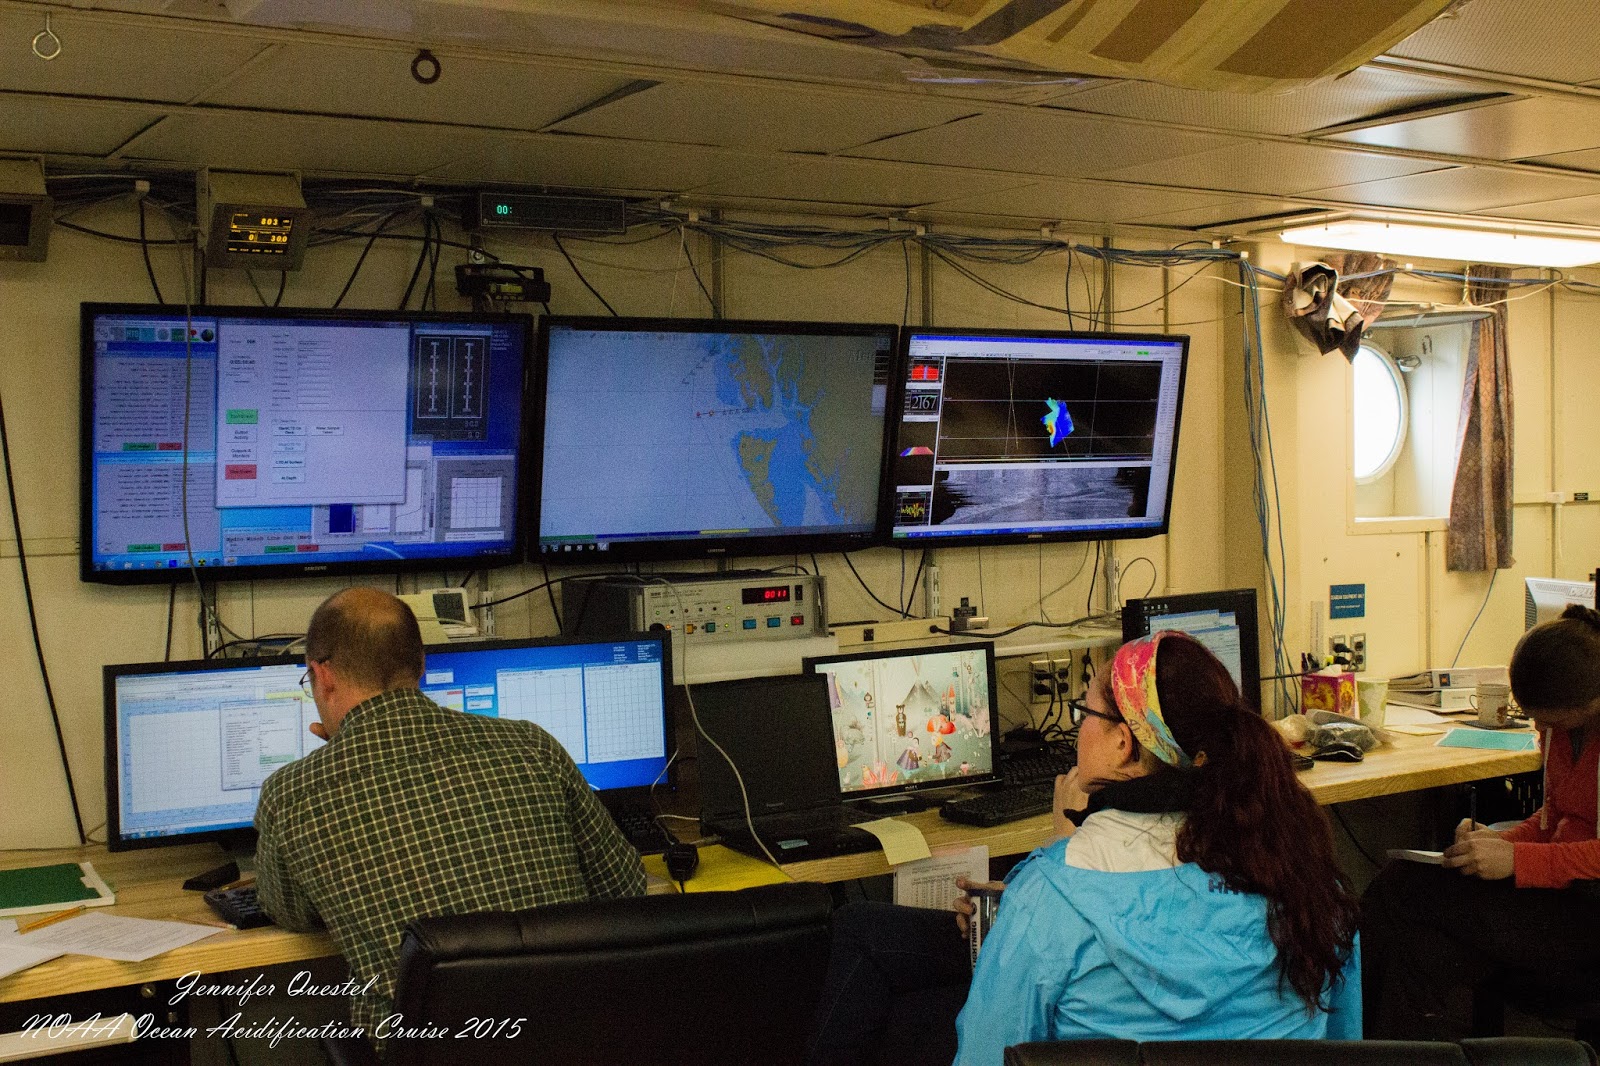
{"x": 1523, "y": 901}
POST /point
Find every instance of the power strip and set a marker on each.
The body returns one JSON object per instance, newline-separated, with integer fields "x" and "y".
{"x": 888, "y": 632}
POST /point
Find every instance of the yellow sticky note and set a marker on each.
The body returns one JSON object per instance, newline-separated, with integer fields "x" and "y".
{"x": 902, "y": 841}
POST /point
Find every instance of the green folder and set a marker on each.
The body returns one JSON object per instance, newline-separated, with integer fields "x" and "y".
{"x": 1520, "y": 740}
{"x": 34, "y": 888}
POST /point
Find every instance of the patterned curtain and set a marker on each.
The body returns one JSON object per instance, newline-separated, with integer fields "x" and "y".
{"x": 1368, "y": 294}
{"x": 1479, "y": 537}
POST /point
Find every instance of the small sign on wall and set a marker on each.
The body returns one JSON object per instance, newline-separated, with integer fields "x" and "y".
{"x": 1347, "y": 601}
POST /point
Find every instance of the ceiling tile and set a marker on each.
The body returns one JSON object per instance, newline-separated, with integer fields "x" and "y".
{"x": 1576, "y": 211}
{"x": 1461, "y": 189}
{"x": 1041, "y": 142}
{"x": 1513, "y": 130}
{"x": 849, "y": 181}
{"x": 1357, "y": 95}
{"x": 599, "y": 163}
{"x": 68, "y": 127}
{"x": 377, "y": 82}
{"x": 1271, "y": 169}
{"x": 96, "y": 58}
{"x": 1589, "y": 159}
{"x": 1219, "y": 215}
{"x": 296, "y": 142}
{"x": 1080, "y": 201}
{"x": 756, "y": 116}
{"x": 1558, "y": 40}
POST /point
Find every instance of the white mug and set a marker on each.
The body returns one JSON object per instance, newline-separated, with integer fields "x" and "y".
{"x": 1492, "y": 700}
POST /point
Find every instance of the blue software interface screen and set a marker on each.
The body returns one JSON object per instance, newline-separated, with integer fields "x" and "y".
{"x": 308, "y": 441}
{"x": 727, "y": 434}
{"x": 193, "y": 747}
{"x": 1034, "y": 436}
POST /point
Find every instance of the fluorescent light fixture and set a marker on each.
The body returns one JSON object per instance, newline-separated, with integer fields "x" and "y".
{"x": 1447, "y": 242}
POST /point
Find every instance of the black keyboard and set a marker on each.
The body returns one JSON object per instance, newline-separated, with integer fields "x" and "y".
{"x": 239, "y": 907}
{"x": 639, "y": 826}
{"x": 1007, "y": 805}
{"x": 1042, "y": 768}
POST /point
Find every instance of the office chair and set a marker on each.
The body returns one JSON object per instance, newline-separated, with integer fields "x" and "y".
{"x": 1513, "y": 1051}
{"x": 712, "y": 977}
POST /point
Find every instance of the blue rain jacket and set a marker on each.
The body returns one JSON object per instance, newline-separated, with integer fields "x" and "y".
{"x": 1160, "y": 955}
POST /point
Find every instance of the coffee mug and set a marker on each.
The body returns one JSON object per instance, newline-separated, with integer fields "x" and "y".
{"x": 1492, "y": 700}
{"x": 1372, "y": 697}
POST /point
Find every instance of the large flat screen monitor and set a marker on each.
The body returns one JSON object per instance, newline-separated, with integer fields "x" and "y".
{"x": 1225, "y": 622}
{"x": 302, "y": 441}
{"x": 188, "y": 744}
{"x": 912, "y": 719}
{"x": 1006, "y": 436}
{"x": 680, "y": 438}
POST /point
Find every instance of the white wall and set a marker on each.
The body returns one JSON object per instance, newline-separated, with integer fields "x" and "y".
{"x": 85, "y": 626}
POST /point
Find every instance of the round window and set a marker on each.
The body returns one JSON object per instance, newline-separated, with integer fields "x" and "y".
{"x": 1380, "y": 413}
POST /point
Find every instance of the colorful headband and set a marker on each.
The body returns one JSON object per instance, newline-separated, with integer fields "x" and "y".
{"x": 1133, "y": 688}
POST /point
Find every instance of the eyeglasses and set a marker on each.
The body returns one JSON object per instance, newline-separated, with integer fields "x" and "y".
{"x": 1078, "y": 710}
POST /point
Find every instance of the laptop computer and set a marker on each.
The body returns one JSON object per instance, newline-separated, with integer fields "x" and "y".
{"x": 778, "y": 731}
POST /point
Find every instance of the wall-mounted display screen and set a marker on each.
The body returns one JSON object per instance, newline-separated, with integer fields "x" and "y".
{"x": 681, "y": 438}
{"x": 1007, "y": 436}
{"x": 255, "y": 442}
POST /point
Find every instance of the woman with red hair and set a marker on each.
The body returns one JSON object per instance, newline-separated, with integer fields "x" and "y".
{"x": 1192, "y": 893}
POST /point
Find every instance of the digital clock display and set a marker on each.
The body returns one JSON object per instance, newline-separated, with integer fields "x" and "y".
{"x": 766, "y": 594}
{"x": 259, "y": 233}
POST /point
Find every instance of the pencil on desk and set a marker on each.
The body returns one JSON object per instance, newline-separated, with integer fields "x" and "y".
{"x": 48, "y": 919}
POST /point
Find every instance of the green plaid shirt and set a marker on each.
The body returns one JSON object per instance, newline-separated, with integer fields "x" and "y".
{"x": 412, "y": 810}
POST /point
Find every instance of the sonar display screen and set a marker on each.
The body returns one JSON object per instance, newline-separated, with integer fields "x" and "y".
{"x": 1021, "y": 436}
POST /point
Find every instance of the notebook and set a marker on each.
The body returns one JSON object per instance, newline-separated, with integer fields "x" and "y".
{"x": 778, "y": 731}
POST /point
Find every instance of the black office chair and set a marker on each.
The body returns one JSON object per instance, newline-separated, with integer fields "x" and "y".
{"x": 713, "y": 977}
{"x": 1512, "y": 1051}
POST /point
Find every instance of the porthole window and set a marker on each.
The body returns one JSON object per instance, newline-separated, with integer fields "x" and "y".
{"x": 1379, "y": 394}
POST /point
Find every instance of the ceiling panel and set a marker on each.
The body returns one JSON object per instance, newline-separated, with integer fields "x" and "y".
{"x": 756, "y": 116}
{"x": 102, "y": 59}
{"x": 598, "y": 163}
{"x": 1589, "y": 159}
{"x": 377, "y": 82}
{"x": 1219, "y": 215}
{"x": 1080, "y": 200}
{"x": 1461, "y": 189}
{"x": 1514, "y": 130}
{"x": 847, "y": 181}
{"x": 1271, "y": 169}
{"x": 1558, "y": 40}
{"x": 1576, "y": 211}
{"x": 1357, "y": 95}
{"x": 296, "y": 142}
{"x": 68, "y": 127}
{"x": 1041, "y": 143}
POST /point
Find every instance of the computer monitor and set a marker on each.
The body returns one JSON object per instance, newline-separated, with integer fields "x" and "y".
{"x": 1544, "y": 598}
{"x": 683, "y": 438}
{"x": 913, "y": 718}
{"x": 188, "y": 744}
{"x": 310, "y": 441}
{"x": 1006, "y": 436}
{"x": 1225, "y": 622}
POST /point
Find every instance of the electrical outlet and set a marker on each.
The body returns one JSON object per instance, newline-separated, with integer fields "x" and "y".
{"x": 1042, "y": 684}
{"x": 1358, "y": 652}
{"x": 1336, "y": 642}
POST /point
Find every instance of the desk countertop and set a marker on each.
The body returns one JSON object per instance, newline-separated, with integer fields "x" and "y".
{"x": 148, "y": 883}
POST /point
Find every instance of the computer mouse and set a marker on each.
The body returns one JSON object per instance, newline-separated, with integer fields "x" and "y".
{"x": 1338, "y": 751}
{"x": 682, "y": 860}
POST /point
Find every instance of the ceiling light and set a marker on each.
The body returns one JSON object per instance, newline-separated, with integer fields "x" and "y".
{"x": 1447, "y": 242}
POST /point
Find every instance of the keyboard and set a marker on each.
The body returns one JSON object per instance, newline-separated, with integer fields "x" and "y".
{"x": 239, "y": 907}
{"x": 1039, "y": 769}
{"x": 994, "y": 808}
{"x": 639, "y": 826}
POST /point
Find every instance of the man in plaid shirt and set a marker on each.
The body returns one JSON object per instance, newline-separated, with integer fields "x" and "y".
{"x": 412, "y": 810}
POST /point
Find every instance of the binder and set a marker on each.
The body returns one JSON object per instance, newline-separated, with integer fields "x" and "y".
{"x": 36, "y": 889}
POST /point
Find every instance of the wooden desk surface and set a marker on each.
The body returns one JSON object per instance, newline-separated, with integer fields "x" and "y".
{"x": 149, "y": 884}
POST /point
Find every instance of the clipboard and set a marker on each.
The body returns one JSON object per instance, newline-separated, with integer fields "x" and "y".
{"x": 37, "y": 889}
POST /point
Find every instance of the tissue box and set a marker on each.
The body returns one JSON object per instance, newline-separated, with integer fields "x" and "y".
{"x": 1328, "y": 692}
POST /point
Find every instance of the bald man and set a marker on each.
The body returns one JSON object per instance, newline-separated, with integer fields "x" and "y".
{"x": 413, "y": 810}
